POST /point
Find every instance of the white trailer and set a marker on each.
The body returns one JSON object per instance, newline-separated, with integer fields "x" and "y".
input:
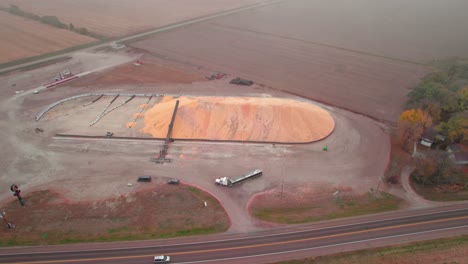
{"x": 226, "y": 181}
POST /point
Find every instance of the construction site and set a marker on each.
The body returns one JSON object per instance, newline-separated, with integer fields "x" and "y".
{"x": 184, "y": 131}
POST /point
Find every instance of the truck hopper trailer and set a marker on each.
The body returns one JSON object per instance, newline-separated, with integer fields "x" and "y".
{"x": 226, "y": 181}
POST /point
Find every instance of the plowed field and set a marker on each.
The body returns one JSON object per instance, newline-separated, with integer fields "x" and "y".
{"x": 360, "y": 55}
{"x": 369, "y": 85}
{"x": 240, "y": 119}
{"x": 416, "y": 30}
{"x": 23, "y": 38}
{"x": 121, "y": 17}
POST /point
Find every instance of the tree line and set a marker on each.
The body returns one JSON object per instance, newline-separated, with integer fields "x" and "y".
{"x": 440, "y": 102}
{"x": 50, "y": 20}
{"x": 441, "y": 99}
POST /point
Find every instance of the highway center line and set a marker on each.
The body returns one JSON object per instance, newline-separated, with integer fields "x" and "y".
{"x": 265, "y": 244}
{"x": 327, "y": 246}
{"x": 232, "y": 239}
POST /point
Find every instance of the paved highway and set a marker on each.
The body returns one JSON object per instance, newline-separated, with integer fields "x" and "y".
{"x": 305, "y": 240}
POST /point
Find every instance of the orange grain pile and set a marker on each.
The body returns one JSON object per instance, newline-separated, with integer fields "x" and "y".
{"x": 240, "y": 118}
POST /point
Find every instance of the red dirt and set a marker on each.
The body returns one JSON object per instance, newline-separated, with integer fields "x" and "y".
{"x": 23, "y": 38}
{"x": 146, "y": 73}
{"x": 240, "y": 119}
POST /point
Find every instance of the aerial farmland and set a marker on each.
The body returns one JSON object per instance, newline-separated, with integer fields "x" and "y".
{"x": 309, "y": 93}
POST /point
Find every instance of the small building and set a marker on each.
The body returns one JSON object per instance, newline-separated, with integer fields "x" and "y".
{"x": 428, "y": 137}
{"x": 426, "y": 142}
{"x": 431, "y": 137}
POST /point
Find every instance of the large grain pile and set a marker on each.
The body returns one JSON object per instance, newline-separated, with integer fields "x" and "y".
{"x": 240, "y": 118}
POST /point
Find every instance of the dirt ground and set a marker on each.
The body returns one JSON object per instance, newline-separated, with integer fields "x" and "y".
{"x": 308, "y": 203}
{"x": 239, "y": 119}
{"x": 148, "y": 72}
{"x": 124, "y": 17}
{"x": 23, "y": 38}
{"x": 150, "y": 210}
{"x": 29, "y": 79}
{"x": 99, "y": 169}
{"x": 358, "y": 148}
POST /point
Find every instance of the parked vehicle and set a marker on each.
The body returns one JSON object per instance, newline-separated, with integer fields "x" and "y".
{"x": 162, "y": 259}
{"x": 226, "y": 181}
{"x": 240, "y": 81}
{"x": 144, "y": 179}
{"x": 173, "y": 181}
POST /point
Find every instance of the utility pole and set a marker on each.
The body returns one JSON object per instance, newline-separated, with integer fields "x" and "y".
{"x": 3, "y": 216}
{"x": 282, "y": 181}
{"x": 17, "y": 192}
{"x": 378, "y": 185}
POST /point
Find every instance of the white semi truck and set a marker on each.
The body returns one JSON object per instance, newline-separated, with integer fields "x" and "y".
{"x": 226, "y": 181}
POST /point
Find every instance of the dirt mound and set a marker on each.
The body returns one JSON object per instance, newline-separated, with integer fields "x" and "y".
{"x": 240, "y": 119}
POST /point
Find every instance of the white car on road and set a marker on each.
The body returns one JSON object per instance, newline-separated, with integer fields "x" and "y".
{"x": 162, "y": 259}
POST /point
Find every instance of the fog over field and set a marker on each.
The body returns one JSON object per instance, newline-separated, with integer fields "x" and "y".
{"x": 416, "y": 30}
{"x": 114, "y": 18}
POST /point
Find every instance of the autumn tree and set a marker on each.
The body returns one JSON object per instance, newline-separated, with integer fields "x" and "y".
{"x": 456, "y": 128}
{"x": 434, "y": 167}
{"x": 463, "y": 98}
{"x": 443, "y": 90}
{"x": 434, "y": 110}
{"x": 411, "y": 125}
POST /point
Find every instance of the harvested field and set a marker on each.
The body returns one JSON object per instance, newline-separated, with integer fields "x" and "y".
{"x": 22, "y": 38}
{"x": 240, "y": 119}
{"x": 417, "y": 30}
{"x": 121, "y": 17}
{"x": 357, "y": 55}
{"x": 366, "y": 84}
